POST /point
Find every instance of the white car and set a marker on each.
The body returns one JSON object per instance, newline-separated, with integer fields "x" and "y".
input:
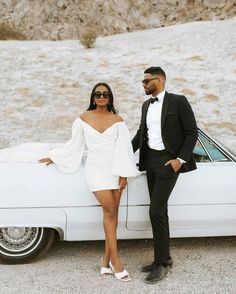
{"x": 39, "y": 202}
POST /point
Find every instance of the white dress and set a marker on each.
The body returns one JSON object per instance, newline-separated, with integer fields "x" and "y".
{"x": 110, "y": 154}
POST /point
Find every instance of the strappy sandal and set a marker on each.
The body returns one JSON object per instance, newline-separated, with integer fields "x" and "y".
{"x": 121, "y": 276}
{"x": 106, "y": 272}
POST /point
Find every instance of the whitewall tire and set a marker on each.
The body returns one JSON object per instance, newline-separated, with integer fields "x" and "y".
{"x": 22, "y": 244}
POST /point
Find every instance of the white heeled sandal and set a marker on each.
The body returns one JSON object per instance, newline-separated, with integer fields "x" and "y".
{"x": 121, "y": 276}
{"x": 106, "y": 271}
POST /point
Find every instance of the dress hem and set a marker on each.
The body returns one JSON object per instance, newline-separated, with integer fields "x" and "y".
{"x": 104, "y": 189}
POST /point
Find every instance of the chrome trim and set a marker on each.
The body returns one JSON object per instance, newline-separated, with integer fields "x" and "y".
{"x": 188, "y": 204}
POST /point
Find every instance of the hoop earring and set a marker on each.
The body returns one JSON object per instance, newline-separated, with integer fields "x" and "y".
{"x": 94, "y": 103}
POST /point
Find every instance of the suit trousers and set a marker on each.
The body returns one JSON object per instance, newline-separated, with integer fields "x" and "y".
{"x": 161, "y": 181}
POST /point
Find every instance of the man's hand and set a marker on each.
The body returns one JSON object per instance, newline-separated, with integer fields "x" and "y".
{"x": 122, "y": 183}
{"x": 46, "y": 160}
{"x": 175, "y": 163}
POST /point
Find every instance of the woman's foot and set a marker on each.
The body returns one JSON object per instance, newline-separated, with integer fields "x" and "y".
{"x": 121, "y": 274}
{"x": 105, "y": 271}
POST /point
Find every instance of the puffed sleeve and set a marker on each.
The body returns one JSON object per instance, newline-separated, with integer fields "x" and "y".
{"x": 124, "y": 163}
{"x": 68, "y": 157}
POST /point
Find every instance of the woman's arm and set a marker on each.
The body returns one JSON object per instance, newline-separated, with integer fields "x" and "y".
{"x": 68, "y": 157}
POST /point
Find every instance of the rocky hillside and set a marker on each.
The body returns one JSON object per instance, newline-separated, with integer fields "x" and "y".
{"x": 66, "y": 19}
{"x": 46, "y": 84}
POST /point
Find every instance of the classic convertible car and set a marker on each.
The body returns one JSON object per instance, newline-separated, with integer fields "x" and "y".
{"x": 39, "y": 202}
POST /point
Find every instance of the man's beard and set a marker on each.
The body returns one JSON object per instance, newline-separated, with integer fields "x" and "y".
{"x": 148, "y": 92}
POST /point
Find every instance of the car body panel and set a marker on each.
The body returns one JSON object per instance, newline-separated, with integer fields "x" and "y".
{"x": 35, "y": 217}
{"x": 203, "y": 202}
{"x": 210, "y": 183}
{"x": 37, "y": 185}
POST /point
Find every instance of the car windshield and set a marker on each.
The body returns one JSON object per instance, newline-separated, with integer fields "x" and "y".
{"x": 200, "y": 154}
{"x": 215, "y": 153}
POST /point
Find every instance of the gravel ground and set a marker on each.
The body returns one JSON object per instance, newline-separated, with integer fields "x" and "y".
{"x": 201, "y": 265}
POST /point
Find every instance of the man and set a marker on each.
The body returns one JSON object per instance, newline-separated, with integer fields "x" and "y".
{"x": 166, "y": 138}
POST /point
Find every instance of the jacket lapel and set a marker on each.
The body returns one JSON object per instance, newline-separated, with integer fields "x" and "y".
{"x": 164, "y": 109}
{"x": 144, "y": 116}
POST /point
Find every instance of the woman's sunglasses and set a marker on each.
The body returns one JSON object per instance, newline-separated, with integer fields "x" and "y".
{"x": 98, "y": 95}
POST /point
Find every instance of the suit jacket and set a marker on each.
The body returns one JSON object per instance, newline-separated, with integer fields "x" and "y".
{"x": 178, "y": 129}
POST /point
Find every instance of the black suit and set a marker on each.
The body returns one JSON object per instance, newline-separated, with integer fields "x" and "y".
{"x": 179, "y": 135}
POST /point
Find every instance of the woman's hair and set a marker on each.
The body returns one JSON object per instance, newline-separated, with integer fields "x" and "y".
{"x": 110, "y": 105}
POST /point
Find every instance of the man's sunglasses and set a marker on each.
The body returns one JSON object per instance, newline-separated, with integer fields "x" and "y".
{"x": 146, "y": 81}
{"x": 98, "y": 95}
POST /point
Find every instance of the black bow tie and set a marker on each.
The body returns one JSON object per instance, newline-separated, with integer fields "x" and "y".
{"x": 153, "y": 99}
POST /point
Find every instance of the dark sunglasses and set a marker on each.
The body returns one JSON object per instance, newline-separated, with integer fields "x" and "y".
{"x": 98, "y": 95}
{"x": 146, "y": 81}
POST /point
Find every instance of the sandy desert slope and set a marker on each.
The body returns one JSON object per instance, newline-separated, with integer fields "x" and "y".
{"x": 45, "y": 84}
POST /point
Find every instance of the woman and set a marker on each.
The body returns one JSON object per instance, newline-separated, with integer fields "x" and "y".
{"x": 109, "y": 163}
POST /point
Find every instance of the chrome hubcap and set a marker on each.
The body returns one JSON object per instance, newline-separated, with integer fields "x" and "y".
{"x": 16, "y": 239}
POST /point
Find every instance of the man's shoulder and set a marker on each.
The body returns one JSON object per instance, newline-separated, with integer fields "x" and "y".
{"x": 176, "y": 96}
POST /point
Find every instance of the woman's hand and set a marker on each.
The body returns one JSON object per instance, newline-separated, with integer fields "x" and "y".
{"x": 46, "y": 160}
{"x": 122, "y": 183}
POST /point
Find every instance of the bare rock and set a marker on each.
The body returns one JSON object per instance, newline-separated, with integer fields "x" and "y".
{"x": 213, "y": 4}
{"x": 230, "y": 6}
{"x": 64, "y": 19}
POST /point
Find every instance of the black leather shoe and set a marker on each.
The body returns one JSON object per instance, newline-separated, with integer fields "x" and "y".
{"x": 170, "y": 262}
{"x": 156, "y": 275}
{"x": 150, "y": 267}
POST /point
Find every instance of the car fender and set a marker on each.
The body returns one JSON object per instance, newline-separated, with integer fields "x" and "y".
{"x": 35, "y": 217}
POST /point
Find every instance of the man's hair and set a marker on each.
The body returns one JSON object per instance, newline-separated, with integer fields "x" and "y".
{"x": 155, "y": 70}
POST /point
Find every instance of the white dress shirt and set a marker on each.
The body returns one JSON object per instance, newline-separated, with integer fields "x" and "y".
{"x": 154, "y": 123}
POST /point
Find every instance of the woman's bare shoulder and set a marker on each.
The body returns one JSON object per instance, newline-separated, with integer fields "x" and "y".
{"x": 118, "y": 118}
{"x": 85, "y": 115}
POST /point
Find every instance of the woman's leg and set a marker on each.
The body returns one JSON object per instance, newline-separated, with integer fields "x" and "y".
{"x": 117, "y": 196}
{"x": 109, "y": 200}
{"x": 107, "y": 254}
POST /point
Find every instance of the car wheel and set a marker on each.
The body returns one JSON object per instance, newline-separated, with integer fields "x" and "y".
{"x": 21, "y": 244}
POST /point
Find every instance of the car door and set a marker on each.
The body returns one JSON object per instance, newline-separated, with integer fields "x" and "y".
{"x": 84, "y": 212}
{"x": 202, "y": 202}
